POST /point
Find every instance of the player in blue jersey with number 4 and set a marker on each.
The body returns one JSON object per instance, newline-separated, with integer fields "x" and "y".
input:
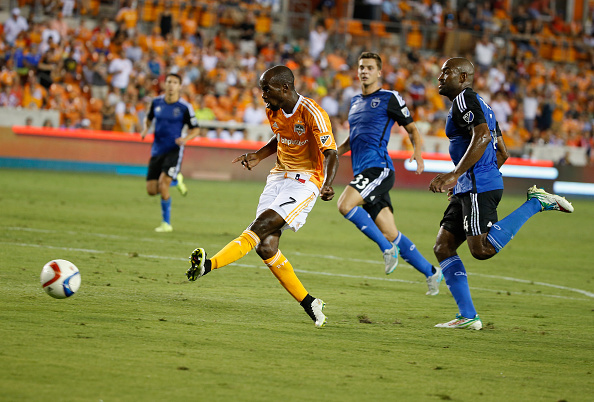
{"x": 366, "y": 201}
{"x": 171, "y": 113}
{"x": 478, "y": 151}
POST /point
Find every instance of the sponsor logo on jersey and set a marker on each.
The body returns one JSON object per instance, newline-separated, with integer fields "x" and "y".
{"x": 468, "y": 117}
{"x": 375, "y": 102}
{"x": 299, "y": 128}
{"x": 325, "y": 139}
{"x": 288, "y": 141}
{"x": 405, "y": 111}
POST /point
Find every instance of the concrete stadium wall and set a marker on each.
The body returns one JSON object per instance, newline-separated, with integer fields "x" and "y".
{"x": 121, "y": 153}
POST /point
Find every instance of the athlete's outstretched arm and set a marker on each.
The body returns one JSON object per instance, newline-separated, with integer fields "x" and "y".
{"x": 344, "y": 147}
{"x": 481, "y": 138}
{"x": 191, "y": 134}
{"x": 330, "y": 168}
{"x": 251, "y": 159}
{"x": 415, "y": 139}
{"x": 146, "y": 124}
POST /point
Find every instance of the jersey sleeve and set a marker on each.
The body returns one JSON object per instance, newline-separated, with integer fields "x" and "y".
{"x": 190, "y": 117}
{"x": 319, "y": 121}
{"x": 151, "y": 112}
{"x": 498, "y": 130}
{"x": 398, "y": 111}
{"x": 467, "y": 111}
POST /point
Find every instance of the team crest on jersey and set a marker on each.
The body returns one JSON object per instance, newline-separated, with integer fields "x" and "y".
{"x": 325, "y": 139}
{"x": 176, "y": 112}
{"x": 375, "y": 102}
{"x": 468, "y": 117}
{"x": 405, "y": 111}
{"x": 158, "y": 109}
{"x": 274, "y": 125}
{"x": 299, "y": 128}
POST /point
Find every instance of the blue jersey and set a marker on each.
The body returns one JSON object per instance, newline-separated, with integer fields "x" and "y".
{"x": 468, "y": 111}
{"x": 170, "y": 120}
{"x": 371, "y": 118}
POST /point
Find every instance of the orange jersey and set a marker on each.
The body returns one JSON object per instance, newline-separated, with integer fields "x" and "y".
{"x": 302, "y": 138}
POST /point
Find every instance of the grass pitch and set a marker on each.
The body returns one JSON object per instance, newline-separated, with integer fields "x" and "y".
{"x": 138, "y": 330}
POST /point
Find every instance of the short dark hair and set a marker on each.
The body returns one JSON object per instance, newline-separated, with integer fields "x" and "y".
{"x": 371, "y": 55}
{"x": 176, "y": 75}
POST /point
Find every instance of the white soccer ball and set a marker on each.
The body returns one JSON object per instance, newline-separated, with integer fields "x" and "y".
{"x": 60, "y": 279}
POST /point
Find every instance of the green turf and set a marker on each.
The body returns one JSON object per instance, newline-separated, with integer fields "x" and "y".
{"x": 138, "y": 331}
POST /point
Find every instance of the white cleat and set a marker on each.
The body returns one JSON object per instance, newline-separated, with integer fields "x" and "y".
{"x": 548, "y": 201}
{"x": 315, "y": 311}
{"x": 391, "y": 259}
{"x": 433, "y": 282}
{"x": 463, "y": 323}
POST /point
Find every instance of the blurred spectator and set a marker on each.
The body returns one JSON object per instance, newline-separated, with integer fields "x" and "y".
{"x": 317, "y": 40}
{"x": 530, "y": 108}
{"x": 34, "y": 94}
{"x": 120, "y": 69}
{"x": 128, "y": 16}
{"x": 14, "y": 26}
{"x": 417, "y": 91}
{"x": 166, "y": 20}
{"x": 502, "y": 110}
{"x": 9, "y": 96}
{"x": 484, "y": 52}
{"x": 49, "y": 38}
{"x": 47, "y": 67}
{"x": 247, "y": 30}
{"x": 330, "y": 103}
{"x": 59, "y": 25}
{"x": 255, "y": 112}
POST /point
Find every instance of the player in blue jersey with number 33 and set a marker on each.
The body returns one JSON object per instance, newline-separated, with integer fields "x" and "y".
{"x": 366, "y": 201}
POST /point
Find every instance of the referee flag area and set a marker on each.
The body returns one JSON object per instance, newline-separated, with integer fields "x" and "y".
{"x": 138, "y": 330}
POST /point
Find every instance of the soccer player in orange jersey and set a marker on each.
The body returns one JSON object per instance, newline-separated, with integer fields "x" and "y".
{"x": 306, "y": 163}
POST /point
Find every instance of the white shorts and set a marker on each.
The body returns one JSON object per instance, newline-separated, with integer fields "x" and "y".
{"x": 291, "y": 195}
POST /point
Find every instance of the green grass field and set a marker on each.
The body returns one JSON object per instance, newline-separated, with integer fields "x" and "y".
{"x": 139, "y": 331}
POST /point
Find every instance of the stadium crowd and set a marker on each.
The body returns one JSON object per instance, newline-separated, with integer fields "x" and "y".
{"x": 535, "y": 70}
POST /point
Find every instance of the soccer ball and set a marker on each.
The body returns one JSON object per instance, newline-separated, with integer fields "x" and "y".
{"x": 60, "y": 279}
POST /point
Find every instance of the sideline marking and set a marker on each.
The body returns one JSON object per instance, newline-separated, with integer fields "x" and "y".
{"x": 92, "y": 251}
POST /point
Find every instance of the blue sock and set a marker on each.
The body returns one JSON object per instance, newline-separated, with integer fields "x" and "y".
{"x": 409, "y": 252}
{"x": 173, "y": 183}
{"x": 166, "y": 210}
{"x": 503, "y": 231}
{"x": 455, "y": 277}
{"x": 363, "y": 221}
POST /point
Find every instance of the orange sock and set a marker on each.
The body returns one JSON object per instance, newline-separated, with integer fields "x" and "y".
{"x": 283, "y": 270}
{"x": 235, "y": 250}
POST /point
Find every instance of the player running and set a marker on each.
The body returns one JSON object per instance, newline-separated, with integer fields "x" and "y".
{"x": 478, "y": 151}
{"x": 306, "y": 163}
{"x": 171, "y": 113}
{"x": 366, "y": 201}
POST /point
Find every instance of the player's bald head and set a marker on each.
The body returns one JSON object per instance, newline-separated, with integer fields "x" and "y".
{"x": 462, "y": 65}
{"x": 279, "y": 75}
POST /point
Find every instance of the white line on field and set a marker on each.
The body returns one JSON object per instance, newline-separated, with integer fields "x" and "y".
{"x": 92, "y": 251}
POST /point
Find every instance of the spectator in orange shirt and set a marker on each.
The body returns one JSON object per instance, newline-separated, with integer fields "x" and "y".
{"x": 129, "y": 16}
{"x": 34, "y": 95}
